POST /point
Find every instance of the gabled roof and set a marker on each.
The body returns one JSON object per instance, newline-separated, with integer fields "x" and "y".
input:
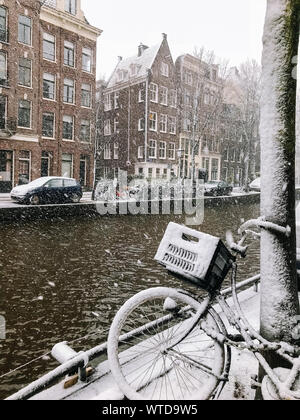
{"x": 141, "y": 64}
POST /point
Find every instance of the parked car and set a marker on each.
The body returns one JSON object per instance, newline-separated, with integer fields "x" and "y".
{"x": 255, "y": 185}
{"x": 48, "y": 190}
{"x": 216, "y": 188}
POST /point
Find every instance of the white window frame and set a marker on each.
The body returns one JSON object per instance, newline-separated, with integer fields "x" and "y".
{"x": 107, "y": 128}
{"x": 29, "y": 60}
{"x": 163, "y": 123}
{"x": 116, "y": 125}
{"x": 153, "y": 87}
{"x": 87, "y": 51}
{"x": 84, "y": 89}
{"x": 30, "y": 118}
{"x": 141, "y": 152}
{"x": 70, "y": 46}
{"x": 152, "y": 147}
{"x": 107, "y": 151}
{"x": 172, "y": 124}
{"x": 107, "y": 102}
{"x": 164, "y": 69}
{"x": 73, "y": 127}
{"x": 72, "y": 86}
{"x": 173, "y": 98}
{"x": 172, "y": 151}
{"x": 116, "y": 100}
{"x": 89, "y": 133}
{"x": 164, "y": 95}
{"x": 141, "y": 125}
{"x": 52, "y": 40}
{"x": 142, "y": 95}
{"x": 21, "y": 42}
{"x": 153, "y": 121}
{"x": 47, "y": 137}
{"x": 52, "y": 81}
{"x": 162, "y": 150}
{"x": 116, "y": 150}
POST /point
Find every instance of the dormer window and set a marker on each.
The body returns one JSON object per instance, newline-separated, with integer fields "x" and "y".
{"x": 134, "y": 70}
{"x": 71, "y": 6}
{"x": 120, "y": 75}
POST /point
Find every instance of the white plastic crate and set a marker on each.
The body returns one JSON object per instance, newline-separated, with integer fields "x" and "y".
{"x": 195, "y": 256}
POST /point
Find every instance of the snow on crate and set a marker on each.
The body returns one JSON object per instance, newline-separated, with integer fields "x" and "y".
{"x": 195, "y": 256}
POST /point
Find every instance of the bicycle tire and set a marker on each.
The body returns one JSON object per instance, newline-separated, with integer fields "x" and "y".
{"x": 144, "y": 369}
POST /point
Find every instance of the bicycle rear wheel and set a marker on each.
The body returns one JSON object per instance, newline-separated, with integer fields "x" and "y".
{"x": 150, "y": 365}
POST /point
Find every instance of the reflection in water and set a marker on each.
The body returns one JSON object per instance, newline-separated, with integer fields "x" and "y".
{"x": 64, "y": 279}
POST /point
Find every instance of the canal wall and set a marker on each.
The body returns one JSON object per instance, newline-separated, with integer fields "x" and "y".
{"x": 22, "y": 213}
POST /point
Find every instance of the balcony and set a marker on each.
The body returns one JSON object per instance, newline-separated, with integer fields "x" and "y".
{"x": 49, "y": 3}
{"x": 3, "y": 35}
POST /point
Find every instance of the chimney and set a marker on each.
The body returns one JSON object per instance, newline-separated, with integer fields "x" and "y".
{"x": 120, "y": 58}
{"x": 165, "y": 36}
{"x": 141, "y": 49}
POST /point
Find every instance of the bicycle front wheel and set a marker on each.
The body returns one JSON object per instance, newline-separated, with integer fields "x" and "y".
{"x": 145, "y": 357}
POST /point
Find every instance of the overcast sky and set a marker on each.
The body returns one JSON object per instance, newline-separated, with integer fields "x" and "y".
{"x": 231, "y": 28}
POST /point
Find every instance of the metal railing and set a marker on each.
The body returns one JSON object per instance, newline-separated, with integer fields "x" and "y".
{"x": 79, "y": 361}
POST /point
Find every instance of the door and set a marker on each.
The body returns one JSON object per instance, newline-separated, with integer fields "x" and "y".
{"x": 6, "y": 171}
{"x": 53, "y": 191}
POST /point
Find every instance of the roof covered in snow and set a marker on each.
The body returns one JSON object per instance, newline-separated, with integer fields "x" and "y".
{"x": 134, "y": 67}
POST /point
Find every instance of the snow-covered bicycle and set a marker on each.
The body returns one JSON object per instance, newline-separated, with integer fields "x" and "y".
{"x": 166, "y": 343}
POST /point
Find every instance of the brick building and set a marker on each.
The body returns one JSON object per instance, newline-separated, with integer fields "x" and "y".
{"x": 139, "y": 121}
{"x": 199, "y": 105}
{"x": 47, "y": 86}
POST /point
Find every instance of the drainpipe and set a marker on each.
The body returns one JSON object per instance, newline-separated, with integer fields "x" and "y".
{"x": 146, "y": 114}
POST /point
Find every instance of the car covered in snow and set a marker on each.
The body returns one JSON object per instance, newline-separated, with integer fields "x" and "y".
{"x": 255, "y": 185}
{"x": 48, "y": 190}
{"x": 217, "y": 188}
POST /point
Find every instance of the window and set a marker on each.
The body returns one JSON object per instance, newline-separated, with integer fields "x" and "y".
{"x": 162, "y": 150}
{"x": 3, "y": 69}
{"x": 68, "y": 127}
{"x": 164, "y": 69}
{"x": 87, "y": 60}
{"x": 3, "y": 25}
{"x": 70, "y": 6}
{"x": 150, "y": 172}
{"x": 188, "y": 78}
{"x": 206, "y": 98}
{"x": 116, "y": 125}
{"x": 157, "y": 172}
{"x": 116, "y": 100}
{"x": 163, "y": 124}
{"x": 142, "y": 95}
{"x": 116, "y": 150}
{"x": 3, "y": 101}
{"x": 48, "y": 125}
{"x": 173, "y": 98}
{"x": 152, "y": 149}
{"x": 153, "y": 92}
{"x": 45, "y": 164}
{"x": 67, "y": 165}
{"x": 83, "y": 164}
{"x": 86, "y": 95}
{"x": 187, "y": 125}
{"x": 187, "y": 98}
{"x": 172, "y": 125}
{"x": 49, "y": 86}
{"x": 153, "y": 121}
{"x": 69, "y": 54}
{"x": 25, "y": 72}
{"x": 24, "y": 30}
{"x": 69, "y": 91}
{"x": 107, "y": 102}
{"x": 214, "y": 169}
{"x": 49, "y": 47}
{"x": 107, "y": 151}
{"x": 164, "y": 95}
{"x": 24, "y": 114}
{"x": 141, "y": 152}
{"x": 172, "y": 151}
{"x": 85, "y": 131}
{"x": 107, "y": 128}
{"x": 24, "y": 167}
{"x": 226, "y": 154}
{"x": 141, "y": 124}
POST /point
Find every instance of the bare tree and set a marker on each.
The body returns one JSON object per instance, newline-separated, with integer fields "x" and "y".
{"x": 243, "y": 87}
{"x": 201, "y": 107}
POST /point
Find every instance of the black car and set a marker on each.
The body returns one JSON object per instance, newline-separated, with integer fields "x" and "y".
{"x": 48, "y": 190}
{"x": 217, "y": 188}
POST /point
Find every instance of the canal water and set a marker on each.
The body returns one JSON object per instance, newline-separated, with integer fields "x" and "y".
{"x": 63, "y": 280}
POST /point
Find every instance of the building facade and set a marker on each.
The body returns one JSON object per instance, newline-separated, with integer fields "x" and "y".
{"x": 199, "y": 106}
{"x": 140, "y": 133}
{"x": 47, "y": 99}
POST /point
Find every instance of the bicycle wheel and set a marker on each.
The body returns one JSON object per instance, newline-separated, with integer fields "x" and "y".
{"x": 149, "y": 364}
